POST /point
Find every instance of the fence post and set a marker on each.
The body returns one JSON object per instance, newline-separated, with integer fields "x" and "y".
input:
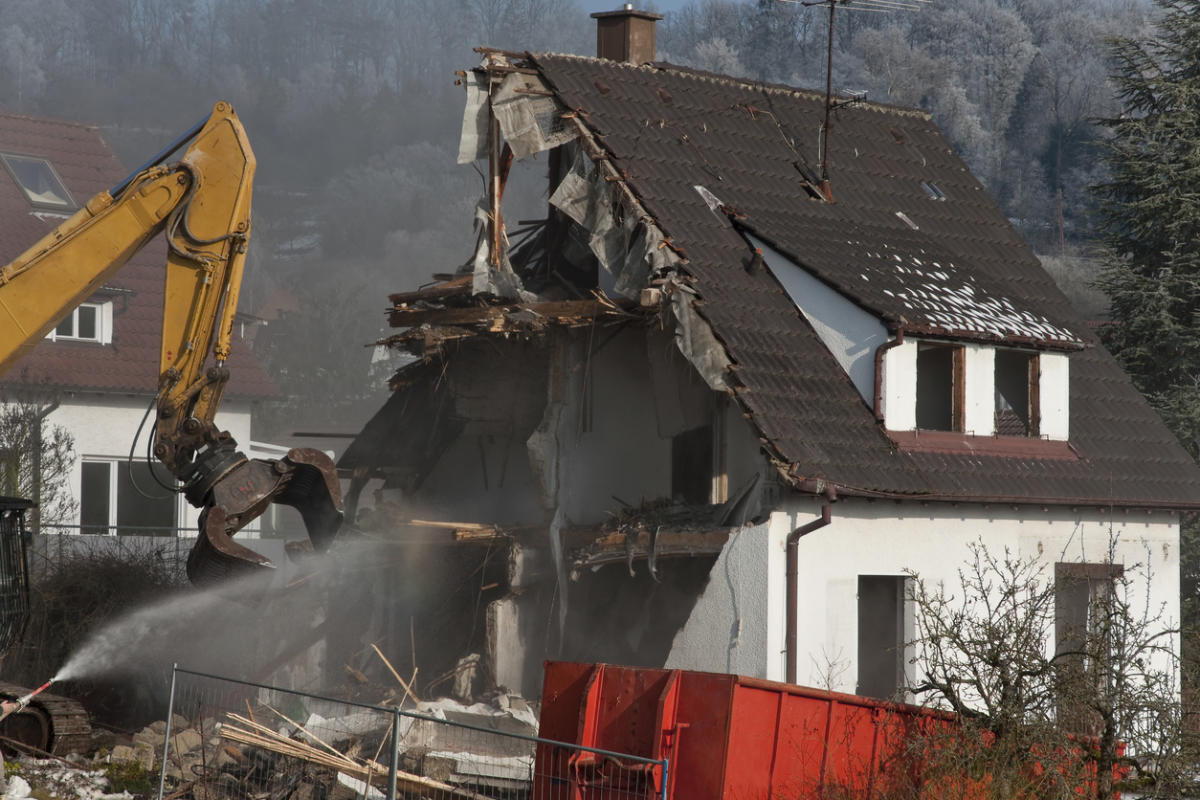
{"x": 666, "y": 779}
{"x": 394, "y": 767}
{"x": 162, "y": 775}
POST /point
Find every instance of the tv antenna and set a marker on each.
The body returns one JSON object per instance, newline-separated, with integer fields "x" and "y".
{"x": 869, "y": 6}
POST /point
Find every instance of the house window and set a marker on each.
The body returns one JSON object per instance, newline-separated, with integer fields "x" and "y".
{"x": 1016, "y": 390}
{"x": 127, "y": 498}
{"x": 940, "y": 387}
{"x": 884, "y": 630}
{"x": 89, "y": 322}
{"x": 40, "y": 183}
{"x": 692, "y": 466}
{"x": 1081, "y": 604}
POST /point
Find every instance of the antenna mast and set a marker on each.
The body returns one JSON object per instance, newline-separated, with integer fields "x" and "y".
{"x": 874, "y": 6}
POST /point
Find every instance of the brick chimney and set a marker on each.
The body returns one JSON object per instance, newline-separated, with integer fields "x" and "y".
{"x": 625, "y": 35}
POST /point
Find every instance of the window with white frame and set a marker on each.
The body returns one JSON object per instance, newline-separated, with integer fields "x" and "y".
{"x": 39, "y": 182}
{"x": 129, "y": 498}
{"x": 89, "y": 322}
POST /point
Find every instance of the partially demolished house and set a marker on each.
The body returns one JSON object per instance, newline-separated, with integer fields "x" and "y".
{"x": 766, "y": 352}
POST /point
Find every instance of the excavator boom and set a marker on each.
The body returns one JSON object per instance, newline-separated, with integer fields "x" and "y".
{"x": 202, "y": 204}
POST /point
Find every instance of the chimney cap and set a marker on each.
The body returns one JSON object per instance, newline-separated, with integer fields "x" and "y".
{"x": 627, "y": 11}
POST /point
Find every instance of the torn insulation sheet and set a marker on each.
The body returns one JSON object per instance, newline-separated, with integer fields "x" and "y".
{"x": 695, "y": 338}
{"x": 499, "y": 281}
{"x": 473, "y": 143}
{"x": 628, "y": 249}
{"x": 530, "y": 118}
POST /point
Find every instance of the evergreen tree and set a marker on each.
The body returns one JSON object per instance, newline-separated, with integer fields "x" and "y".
{"x": 1150, "y": 220}
{"x": 1150, "y": 217}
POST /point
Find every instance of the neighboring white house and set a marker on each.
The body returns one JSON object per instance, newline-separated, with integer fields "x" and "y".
{"x": 98, "y": 370}
{"x": 718, "y": 339}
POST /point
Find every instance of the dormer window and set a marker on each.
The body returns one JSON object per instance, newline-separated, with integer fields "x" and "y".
{"x": 940, "y": 387}
{"x": 89, "y": 322}
{"x": 40, "y": 183}
{"x": 1016, "y": 392}
{"x": 979, "y": 390}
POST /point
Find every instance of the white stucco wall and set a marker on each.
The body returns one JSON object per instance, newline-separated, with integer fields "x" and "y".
{"x": 738, "y": 623}
{"x": 726, "y": 631}
{"x": 899, "y": 392}
{"x": 851, "y": 333}
{"x": 104, "y": 425}
{"x": 979, "y": 386}
{"x": 1054, "y": 395}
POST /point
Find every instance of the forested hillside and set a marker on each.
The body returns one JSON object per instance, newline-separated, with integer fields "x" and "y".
{"x": 353, "y": 113}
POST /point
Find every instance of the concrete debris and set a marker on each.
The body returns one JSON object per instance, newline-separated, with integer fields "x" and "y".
{"x": 354, "y": 789}
{"x": 444, "y": 747}
{"x": 60, "y": 779}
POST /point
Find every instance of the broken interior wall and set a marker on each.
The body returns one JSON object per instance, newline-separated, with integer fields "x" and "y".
{"x": 617, "y": 403}
{"x": 494, "y": 392}
{"x": 422, "y": 602}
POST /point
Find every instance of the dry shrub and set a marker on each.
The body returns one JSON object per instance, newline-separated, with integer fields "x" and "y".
{"x": 76, "y": 588}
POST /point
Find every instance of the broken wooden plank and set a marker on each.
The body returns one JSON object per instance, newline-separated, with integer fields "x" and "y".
{"x": 451, "y": 288}
{"x": 464, "y": 526}
{"x": 408, "y": 692}
{"x": 373, "y": 771}
{"x": 552, "y": 310}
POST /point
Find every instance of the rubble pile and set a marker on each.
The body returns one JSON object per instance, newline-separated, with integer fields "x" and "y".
{"x": 327, "y": 752}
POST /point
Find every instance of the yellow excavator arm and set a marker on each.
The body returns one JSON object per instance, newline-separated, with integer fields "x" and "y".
{"x": 202, "y": 204}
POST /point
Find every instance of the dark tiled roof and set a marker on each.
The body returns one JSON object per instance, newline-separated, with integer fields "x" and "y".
{"x": 962, "y": 271}
{"x": 130, "y": 364}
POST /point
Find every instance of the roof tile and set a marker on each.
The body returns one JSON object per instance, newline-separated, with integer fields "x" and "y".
{"x": 964, "y": 271}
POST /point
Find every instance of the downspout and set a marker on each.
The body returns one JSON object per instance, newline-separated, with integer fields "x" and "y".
{"x": 793, "y": 577}
{"x": 879, "y": 354}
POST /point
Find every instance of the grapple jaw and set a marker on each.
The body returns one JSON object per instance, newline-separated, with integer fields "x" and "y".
{"x": 233, "y": 491}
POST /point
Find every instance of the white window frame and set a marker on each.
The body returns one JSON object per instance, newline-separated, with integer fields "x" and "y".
{"x": 114, "y": 464}
{"x": 104, "y": 326}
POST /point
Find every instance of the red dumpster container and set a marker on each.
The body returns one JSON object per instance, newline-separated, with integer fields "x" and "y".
{"x": 727, "y": 737}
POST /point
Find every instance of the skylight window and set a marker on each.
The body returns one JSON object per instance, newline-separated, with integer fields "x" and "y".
{"x": 932, "y": 189}
{"x": 40, "y": 183}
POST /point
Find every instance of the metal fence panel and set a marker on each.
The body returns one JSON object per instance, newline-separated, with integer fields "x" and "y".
{"x": 230, "y": 739}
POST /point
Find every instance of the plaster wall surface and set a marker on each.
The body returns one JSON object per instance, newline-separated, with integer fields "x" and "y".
{"x": 851, "y": 334}
{"x": 979, "y": 414}
{"x": 481, "y": 478}
{"x": 617, "y": 450}
{"x": 900, "y": 386}
{"x": 725, "y": 631}
{"x": 738, "y": 622}
{"x": 1054, "y": 395}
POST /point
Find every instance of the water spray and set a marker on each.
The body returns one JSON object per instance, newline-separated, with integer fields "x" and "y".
{"x": 13, "y": 706}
